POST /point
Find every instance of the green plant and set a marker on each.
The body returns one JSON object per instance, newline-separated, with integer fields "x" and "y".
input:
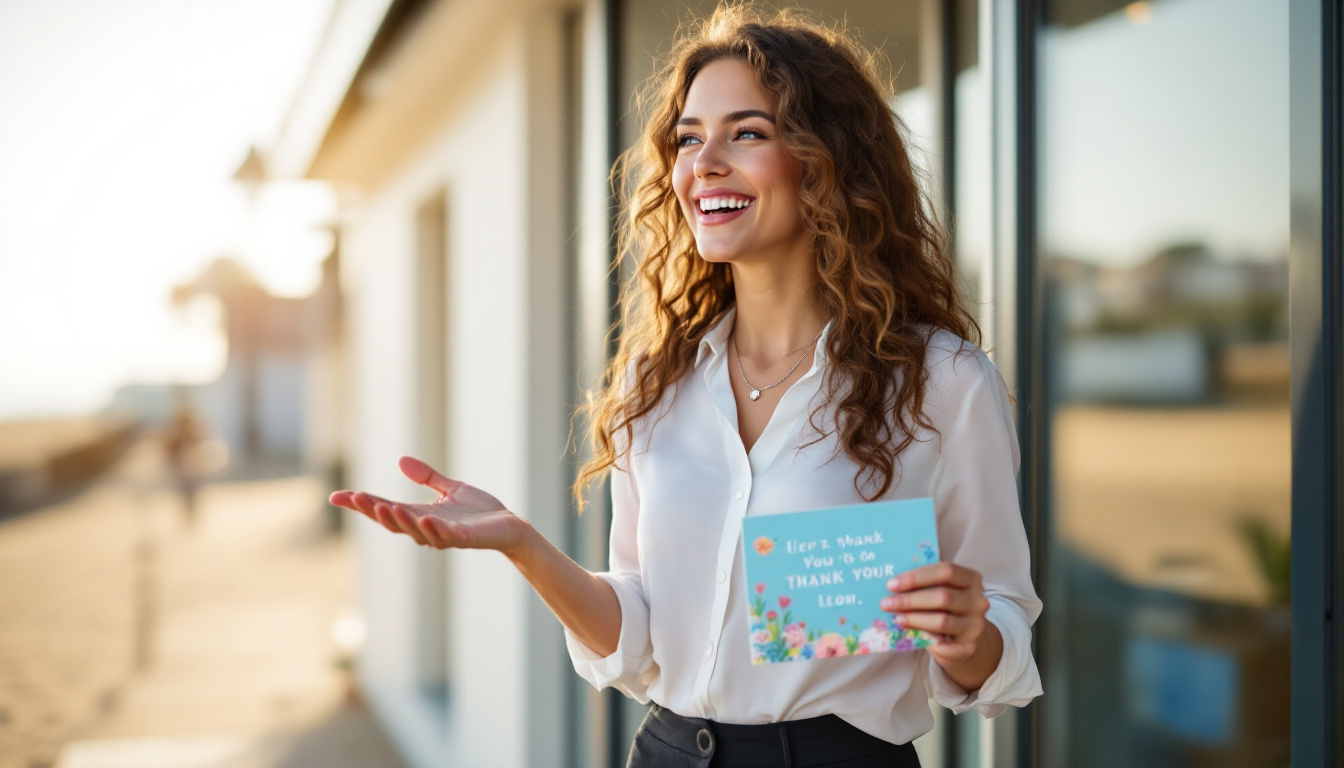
{"x": 1273, "y": 555}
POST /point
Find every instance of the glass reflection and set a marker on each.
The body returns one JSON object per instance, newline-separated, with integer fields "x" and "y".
{"x": 1164, "y": 221}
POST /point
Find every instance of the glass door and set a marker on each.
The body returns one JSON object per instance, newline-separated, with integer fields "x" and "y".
{"x": 1163, "y": 231}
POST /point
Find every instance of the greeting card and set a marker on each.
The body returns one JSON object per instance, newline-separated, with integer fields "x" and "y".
{"x": 816, "y": 579}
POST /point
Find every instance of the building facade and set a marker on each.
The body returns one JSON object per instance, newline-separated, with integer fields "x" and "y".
{"x": 1145, "y": 201}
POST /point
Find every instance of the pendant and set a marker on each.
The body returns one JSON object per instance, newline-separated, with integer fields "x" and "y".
{"x": 755, "y": 394}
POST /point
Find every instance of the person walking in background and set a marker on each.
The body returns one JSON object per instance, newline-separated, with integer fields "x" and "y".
{"x": 793, "y": 340}
{"x": 182, "y": 437}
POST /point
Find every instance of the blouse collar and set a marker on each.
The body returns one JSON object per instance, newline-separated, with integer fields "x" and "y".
{"x": 715, "y": 341}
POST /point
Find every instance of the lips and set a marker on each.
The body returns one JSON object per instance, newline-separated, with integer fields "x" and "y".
{"x": 715, "y": 206}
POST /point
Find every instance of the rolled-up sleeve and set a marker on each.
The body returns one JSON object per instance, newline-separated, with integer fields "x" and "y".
{"x": 630, "y": 668}
{"x": 980, "y": 523}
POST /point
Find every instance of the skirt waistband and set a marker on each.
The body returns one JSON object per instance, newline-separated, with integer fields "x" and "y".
{"x": 815, "y": 741}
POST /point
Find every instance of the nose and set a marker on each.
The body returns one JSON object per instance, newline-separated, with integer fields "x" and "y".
{"x": 710, "y": 161}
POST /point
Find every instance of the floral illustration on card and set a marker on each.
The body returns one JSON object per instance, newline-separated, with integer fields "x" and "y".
{"x": 776, "y": 637}
{"x": 816, "y": 579}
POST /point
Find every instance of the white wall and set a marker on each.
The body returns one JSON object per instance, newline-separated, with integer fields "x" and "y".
{"x": 280, "y": 388}
{"x": 323, "y": 406}
{"x": 545, "y": 364}
{"x": 498, "y": 157}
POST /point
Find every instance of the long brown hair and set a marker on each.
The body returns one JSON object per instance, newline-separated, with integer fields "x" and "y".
{"x": 886, "y": 276}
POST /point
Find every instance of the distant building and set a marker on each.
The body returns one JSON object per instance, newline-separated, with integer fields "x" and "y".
{"x": 1168, "y": 329}
{"x": 268, "y": 402}
{"x": 255, "y": 406}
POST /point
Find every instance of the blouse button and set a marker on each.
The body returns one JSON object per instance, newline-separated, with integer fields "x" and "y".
{"x": 723, "y": 576}
{"x": 739, "y": 495}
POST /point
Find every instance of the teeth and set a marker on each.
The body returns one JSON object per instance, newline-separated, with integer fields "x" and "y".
{"x": 708, "y": 204}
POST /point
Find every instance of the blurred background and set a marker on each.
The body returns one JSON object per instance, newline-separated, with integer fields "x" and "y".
{"x": 251, "y": 252}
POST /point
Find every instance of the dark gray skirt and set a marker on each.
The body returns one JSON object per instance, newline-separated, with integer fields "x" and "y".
{"x": 668, "y": 740}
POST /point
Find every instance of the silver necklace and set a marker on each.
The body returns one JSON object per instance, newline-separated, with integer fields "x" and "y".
{"x": 756, "y": 392}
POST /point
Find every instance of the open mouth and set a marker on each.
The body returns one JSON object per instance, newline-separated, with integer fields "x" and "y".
{"x": 712, "y": 208}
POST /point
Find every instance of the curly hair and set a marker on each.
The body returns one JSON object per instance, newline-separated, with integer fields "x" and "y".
{"x": 886, "y": 277}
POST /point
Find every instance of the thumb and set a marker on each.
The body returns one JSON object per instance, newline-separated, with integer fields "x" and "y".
{"x": 423, "y": 474}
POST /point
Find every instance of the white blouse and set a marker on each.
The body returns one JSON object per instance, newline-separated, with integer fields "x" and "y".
{"x": 676, "y": 559}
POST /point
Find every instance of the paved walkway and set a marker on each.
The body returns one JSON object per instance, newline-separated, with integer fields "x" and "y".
{"x": 128, "y": 638}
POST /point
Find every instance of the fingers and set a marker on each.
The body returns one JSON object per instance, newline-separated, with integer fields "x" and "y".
{"x": 949, "y": 625}
{"x": 438, "y": 532}
{"x": 959, "y": 643}
{"x": 382, "y": 514}
{"x": 947, "y": 599}
{"x": 349, "y": 500}
{"x": 420, "y": 472}
{"x": 357, "y": 500}
{"x": 398, "y": 519}
{"x": 431, "y": 532}
{"x": 935, "y": 574}
{"x": 943, "y": 599}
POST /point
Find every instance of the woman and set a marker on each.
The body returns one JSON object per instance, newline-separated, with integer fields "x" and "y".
{"x": 796, "y": 342}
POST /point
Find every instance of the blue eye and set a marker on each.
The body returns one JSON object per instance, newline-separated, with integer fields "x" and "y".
{"x": 688, "y": 139}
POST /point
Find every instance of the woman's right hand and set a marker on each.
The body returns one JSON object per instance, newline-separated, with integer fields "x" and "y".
{"x": 467, "y": 517}
{"x": 463, "y": 516}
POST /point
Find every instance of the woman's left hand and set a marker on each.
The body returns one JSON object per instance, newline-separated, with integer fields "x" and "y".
{"x": 948, "y": 600}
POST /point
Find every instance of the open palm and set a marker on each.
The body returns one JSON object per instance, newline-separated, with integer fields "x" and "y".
{"x": 463, "y": 516}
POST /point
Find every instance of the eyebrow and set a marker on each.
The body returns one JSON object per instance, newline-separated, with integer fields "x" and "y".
{"x": 731, "y": 117}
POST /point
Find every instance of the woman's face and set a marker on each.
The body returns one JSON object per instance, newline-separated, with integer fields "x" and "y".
{"x": 737, "y": 185}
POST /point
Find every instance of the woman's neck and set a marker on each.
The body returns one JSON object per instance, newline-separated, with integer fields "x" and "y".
{"x": 777, "y": 310}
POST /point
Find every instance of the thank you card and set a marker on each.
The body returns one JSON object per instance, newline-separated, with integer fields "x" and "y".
{"x": 816, "y": 579}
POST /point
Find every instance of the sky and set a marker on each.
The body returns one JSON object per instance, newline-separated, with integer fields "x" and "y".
{"x": 1160, "y": 127}
{"x": 1174, "y": 129}
{"x": 121, "y": 125}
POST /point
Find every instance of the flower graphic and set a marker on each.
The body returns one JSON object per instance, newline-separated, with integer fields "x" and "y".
{"x": 763, "y": 545}
{"x": 874, "y": 640}
{"x": 760, "y": 588}
{"x": 771, "y": 615}
{"x": 795, "y": 636}
{"x": 880, "y": 624}
{"x": 761, "y": 637}
{"x": 927, "y": 549}
{"x": 842, "y": 621}
{"x": 830, "y": 645}
{"x": 785, "y": 601}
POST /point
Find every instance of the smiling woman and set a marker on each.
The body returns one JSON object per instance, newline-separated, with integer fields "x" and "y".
{"x": 787, "y": 114}
{"x": 780, "y": 236}
{"x": 731, "y": 167}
